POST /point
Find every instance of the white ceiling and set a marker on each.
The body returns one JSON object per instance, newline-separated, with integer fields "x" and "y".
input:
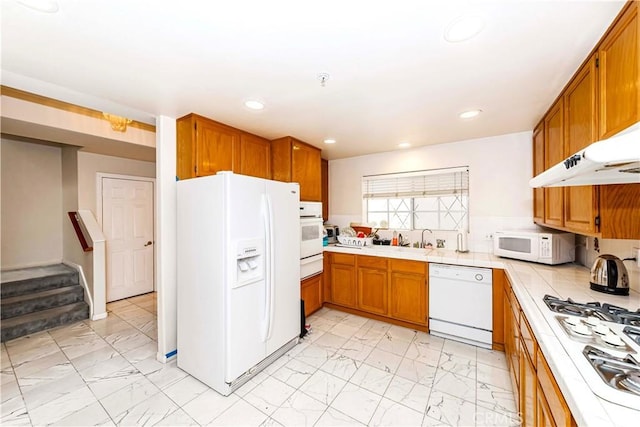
{"x": 393, "y": 77}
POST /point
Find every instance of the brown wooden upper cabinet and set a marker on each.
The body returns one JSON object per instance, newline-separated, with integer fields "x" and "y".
{"x": 324, "y": 171}
{"x": 581, "y": 206}
{"x": 600, "y": 100}
{"x": 538, "y": 168}
{"x": 554, "y": 153}
{"x": 296, "y": 161}
{"x": 206, "y": 147}
{"x": 255, "y": 156}
{"x": 619, "y": 74}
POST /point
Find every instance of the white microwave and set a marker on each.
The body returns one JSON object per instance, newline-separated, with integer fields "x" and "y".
{"x": 548, "y": 247}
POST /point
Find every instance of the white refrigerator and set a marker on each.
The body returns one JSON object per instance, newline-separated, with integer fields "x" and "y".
{"x": 238, "y": 271}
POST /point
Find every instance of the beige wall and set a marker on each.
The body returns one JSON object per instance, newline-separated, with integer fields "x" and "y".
{"x": 40, "y": 184}
{"x": 89, "y": 164}
{"x": 31, "y": 204}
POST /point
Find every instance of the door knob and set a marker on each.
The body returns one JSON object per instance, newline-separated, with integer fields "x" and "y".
{"x": 148, "y": 243}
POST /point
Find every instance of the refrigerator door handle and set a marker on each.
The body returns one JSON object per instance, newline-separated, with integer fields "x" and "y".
{"x": 272, "y": 270}
{"x": 269, "y": 273}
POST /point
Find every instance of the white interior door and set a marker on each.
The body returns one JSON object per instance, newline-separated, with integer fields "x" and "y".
{"x": 127, "y": 223}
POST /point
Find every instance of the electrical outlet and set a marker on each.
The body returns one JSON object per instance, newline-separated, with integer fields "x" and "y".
{"x": 636, "y": 255}
{"x": 488, "y": 236}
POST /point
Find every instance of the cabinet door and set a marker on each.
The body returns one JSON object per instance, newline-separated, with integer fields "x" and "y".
{"x": 528, "y": 387}
{"x": 543, "y": 412}
{"x": 326, "y": 277}
{"x": 619, "y": 205}
{"x": 372, "y": 290}
{"x": 618, "y": 74}
{"x": 324, "y": 171}
{"x": 512, "y": 339}
{"x": 408, "y": 297}
{"x": 185, "y": 147}
{"x": 497, "y": 298}
{"x": 255, "y": 156}
{"x": 305, "y": 169}
{"x": 558, "y": 408}
{"x": 311, "y": 294}
{"x": 343, "y": 285}
{"x": 581, "y": 203}
{"x": 538, "y": 168}
{"x": 217, "y": 148}
{"x": 554, "y": 153}
{"x": 509, "y": 346}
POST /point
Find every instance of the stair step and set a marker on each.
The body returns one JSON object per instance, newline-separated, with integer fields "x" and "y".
{"x": 43, "y": 300}
{"x": 29, "y": 280}
{"x": 26, "y": 324}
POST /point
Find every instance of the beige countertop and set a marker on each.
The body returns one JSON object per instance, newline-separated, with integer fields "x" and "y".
{"x": 530, "y": 283}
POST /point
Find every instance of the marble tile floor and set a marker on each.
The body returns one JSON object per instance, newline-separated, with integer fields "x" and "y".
{"x": 350, "y": 371}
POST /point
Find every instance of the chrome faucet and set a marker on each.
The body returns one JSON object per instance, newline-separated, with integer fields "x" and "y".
{"x": 422, "y": 244}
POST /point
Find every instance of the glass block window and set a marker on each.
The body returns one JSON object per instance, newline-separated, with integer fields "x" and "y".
{"x": 437, "y": 199}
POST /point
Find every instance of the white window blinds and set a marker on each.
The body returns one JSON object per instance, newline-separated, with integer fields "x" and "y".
{"x": 432, "y": 182}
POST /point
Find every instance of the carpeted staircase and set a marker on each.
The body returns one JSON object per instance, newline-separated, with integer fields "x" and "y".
{"x": 34, "y": 299}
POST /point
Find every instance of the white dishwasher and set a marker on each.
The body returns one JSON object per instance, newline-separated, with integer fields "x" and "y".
{"x": 460, "y": 303}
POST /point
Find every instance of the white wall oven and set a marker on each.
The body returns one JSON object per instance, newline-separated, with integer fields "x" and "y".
{"x": 311, "y": 229}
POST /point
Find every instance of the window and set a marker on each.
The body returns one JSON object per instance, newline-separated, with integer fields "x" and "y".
{"x": 437, "y": 199}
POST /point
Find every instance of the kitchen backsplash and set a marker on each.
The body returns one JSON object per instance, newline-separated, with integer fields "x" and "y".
{"x": 586, "y": 254}
{"x": 480, "y": 238}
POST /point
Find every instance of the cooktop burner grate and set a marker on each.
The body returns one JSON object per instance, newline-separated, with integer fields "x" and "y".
{"x": 631, "y": 382}
{"x": 633, "y": 333}
{"x": 621, "y": 373}
{"x": 606, "y": 312}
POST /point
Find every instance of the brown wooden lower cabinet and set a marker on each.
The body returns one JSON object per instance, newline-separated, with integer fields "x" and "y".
{"x": 373, "y": 285}
{"x": 539, "y": 399}
{"x": 543, "y": 412}
{"x": 409, "y": 291}
{"x": 558, "y": 408}
{"x": 311, "y": 294}
{"x": 528, "y": 388}
{"x": 497, "y": 336}
{"x": 512, "y": 339}
{"x": 384, "y": 288}
{"x": 343, "y": 280}
{"x": 528, "y": 379}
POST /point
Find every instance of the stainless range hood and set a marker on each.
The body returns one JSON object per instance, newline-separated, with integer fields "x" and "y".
{"x": 615, "y": 160}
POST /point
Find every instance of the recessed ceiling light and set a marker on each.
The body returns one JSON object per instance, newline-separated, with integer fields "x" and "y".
{"x": 330, "y": 141}
{"x": 404, "y": 145}
{"x": 254, "y": 105}
{"x": 470, "y": 114}
{"x": 47, "y": 6}
{"x": 463, "y": 28}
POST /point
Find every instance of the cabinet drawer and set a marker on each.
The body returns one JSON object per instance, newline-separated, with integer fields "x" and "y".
{"x": 530, "y": 343}
{"x": 515, "y": 306}
{"x": 346, "y": 259}
{"x": 417, "y": 267}
{"x": 372, "y": 262}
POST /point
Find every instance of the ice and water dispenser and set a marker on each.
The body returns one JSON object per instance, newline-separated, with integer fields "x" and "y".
{"x": 249, "y": 261}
